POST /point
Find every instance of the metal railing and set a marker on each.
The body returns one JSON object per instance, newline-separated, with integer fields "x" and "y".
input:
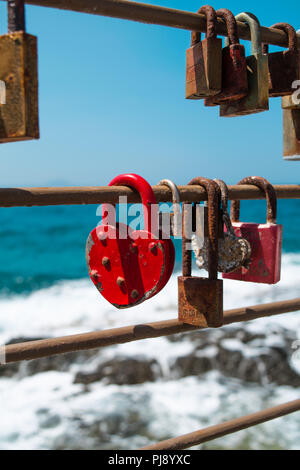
{"x": 11, "y": 197}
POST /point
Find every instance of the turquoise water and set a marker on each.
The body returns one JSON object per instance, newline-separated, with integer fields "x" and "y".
{"x": 42, "y": 245}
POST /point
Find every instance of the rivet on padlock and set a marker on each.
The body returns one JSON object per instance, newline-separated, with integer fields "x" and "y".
{"x": 204, "y": 60}
{"x": 284, "y": 66}
{"x": 129, "y": 270}
{"x": 234, "y": 66}
{"x": 291, "y": 126}
{"x": 175, "y": 217}
{"x": 18, "y": 71}
{"x": 200, "y": 300}
{"x": 234, "y": 252}
{"x": 265, "y": 239}
{"x": 257, "y": 99}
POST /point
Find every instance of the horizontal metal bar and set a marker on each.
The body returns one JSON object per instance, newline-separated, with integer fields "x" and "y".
{"x": 229, "y": 427}
{"x": 10, "y": 197}
{"x": 158, "y": 15}
{"x": 49, "y": 347}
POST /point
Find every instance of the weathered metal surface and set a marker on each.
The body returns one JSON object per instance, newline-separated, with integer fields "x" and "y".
{"x": 200, "y": 300}
{"x": 204, "y": 61}
{"x": 18, "y": 70}
{"x": 233, "y": 252}
{"x": 257, "y": 99}
{"x": 154, "y": 14}
{"x": 291, "y": 134}
{"x": 234, "y": 66}
{"x": 28, "y": 197}
{"x": 175, "y": 229}
{"x": 284, "y": 66}
{"x": 228, "y": 427}
{"x": 129, "y": 270}
{"x": 100, "y": 339}
{"x": 287, "y": 102}
{"x": 16, "y": 15}
{"x": 265, "y": 239}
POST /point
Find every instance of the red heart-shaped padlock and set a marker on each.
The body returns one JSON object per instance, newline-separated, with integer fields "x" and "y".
{"x": 129, "y": 270}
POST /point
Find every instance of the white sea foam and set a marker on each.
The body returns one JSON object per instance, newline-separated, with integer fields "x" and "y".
{"x": 44, "y": 410}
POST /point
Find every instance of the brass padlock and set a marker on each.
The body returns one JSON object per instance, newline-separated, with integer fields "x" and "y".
{"x": 291, "y": 127}
{"x": 200, "y": 300}
{"x": 257, "y": 99}
{"x": 234, "y": 66}
{"x": 284, "y": 66}
{"x": 204, "y": 60}
{"x": 18, "y": 72}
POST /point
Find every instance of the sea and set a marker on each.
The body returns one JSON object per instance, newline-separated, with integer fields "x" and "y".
{"x": 45, "y": 291}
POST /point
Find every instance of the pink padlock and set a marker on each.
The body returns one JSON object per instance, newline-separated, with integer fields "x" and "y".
{"x": 265, "y": 239}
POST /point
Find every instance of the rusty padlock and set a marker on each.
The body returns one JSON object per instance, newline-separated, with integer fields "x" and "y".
{"x": 284, "y": 66}
{"x": 128, "y": 267}
{"x": 257, "y": 99}
{"x": 265, "y": 239}
{"x": 234, "y": 66}
{"x": 171, "y": 227}
{"x": 200, "y": 300}
{"x": 233, "y": 252}
{"x": 291, "y": 128}
{"x": 204, "y": 60}
{"x": 18, "y": 71}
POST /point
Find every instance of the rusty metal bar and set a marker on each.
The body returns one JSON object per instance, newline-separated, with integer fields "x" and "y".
{"x": 10, "y": 197}
{"x": 52, "y": 346}
{"x": 229, "y": 427}
{"x": 158, "y": 15}
{"x": 16, "y": 15}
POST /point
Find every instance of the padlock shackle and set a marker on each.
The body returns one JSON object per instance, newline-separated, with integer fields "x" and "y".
{"x": 176, "y": 203}
{"x": 213, "y": 197}
{"x": 254, "y": 25}
{"x": 231, "y": 25}
{"x": 224, "y": 206}
{"x": 15, "y": 15}
{"x": 271, "y": 197}
{"x": 292, "y": 37}
{"x": 146, "y": 192}
{"x": 211, "y": 24}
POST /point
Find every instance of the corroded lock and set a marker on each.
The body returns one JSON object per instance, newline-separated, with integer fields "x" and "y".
{"x": 204, "y": 60}
{"x": 284, "y": 66}
{"x": 173, "y": 225}
{"x": 18, "y": 71}
{"x": 128, "y": 267}
{"x": 200, "y": 300}
{"x": 265, "y": 239}
{"x": 257, "y": 99}
{"x": 291, "y": 128}
{"x": 234, "y": 66}
{"x": 233, "y": 252}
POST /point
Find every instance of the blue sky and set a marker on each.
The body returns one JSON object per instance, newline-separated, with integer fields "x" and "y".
{"x": 112, "y": 101}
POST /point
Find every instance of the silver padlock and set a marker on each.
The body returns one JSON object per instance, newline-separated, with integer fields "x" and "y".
{"x": 234, "y": 252}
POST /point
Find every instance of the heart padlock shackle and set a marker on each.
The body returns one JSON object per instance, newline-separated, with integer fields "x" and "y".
{"x": 257, "y": 99}
{"x": 173, "y": 225}
{"x": 200, "y": 300}
{"x": 126, "y": 266}
{"x": 291, "y": 125}
{"x": 284, "y": 66}
{"x": 233, "y": 252}
{"x": 19, "y": 72}
{"x": 234, "y": 65}
{"x": 265, "y": 239}
{"x": 204, "y": 60}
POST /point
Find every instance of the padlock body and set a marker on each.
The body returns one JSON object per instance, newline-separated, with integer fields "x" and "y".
{"x": 266, "y": 247}
{"x": 257, "y": 99}
{"x": 18, "y": 70}
{"x": 204, "y": 69}
{"x": 200, "y": 301}
{"x": 284, "y": 69}
{"x": 234, "y": 76}
{"x": 291, "y": 134}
